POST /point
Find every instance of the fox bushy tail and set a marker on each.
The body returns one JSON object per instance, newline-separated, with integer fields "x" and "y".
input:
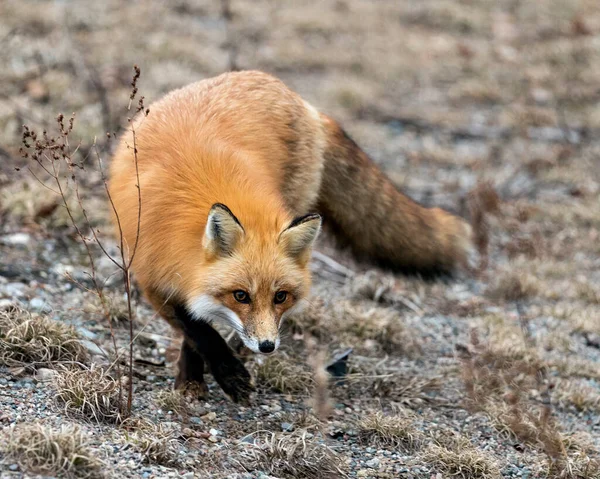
{"x": 379, "y": 223}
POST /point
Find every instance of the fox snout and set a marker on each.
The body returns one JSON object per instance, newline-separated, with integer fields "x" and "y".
{"x": 264, "y": 345}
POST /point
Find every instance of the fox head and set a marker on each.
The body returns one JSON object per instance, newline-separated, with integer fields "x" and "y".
{"x": 253, "y": 278}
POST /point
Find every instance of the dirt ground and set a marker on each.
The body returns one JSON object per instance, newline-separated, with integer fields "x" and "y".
{"x": 489, "y": 109}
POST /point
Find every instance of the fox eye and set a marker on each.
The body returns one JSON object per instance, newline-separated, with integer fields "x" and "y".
{"x": 280, "y": 297}
{"x": 241, "y": 296}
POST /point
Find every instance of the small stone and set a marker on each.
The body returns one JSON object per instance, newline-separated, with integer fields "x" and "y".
{"x": 17, "y": 239}
{"x": 93, "y": 348}
{"x": 214, "y": 432}
{"x": 373, "y": 463}
{"x": 45, "y": 374}
{"x": 188, "y": 475}
{"x": 195, "y": 420}
{"x": 86, "y": 333}
{"x": 5, "y": 304}
{"x": 14, "y": 467}
{"x": 213, "y": 439}
{"x": 287, "y": 427}
{"x": 15, "y": 290}
{"x": 39, "y": 304}
{"x": 211, "y": 416}
{"x": 362, "y": 473}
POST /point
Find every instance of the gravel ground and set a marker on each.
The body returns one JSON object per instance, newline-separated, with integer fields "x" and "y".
{"x": 489, "y": 109}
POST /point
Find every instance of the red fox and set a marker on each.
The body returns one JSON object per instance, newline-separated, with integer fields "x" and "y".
{"x": 236, "y": 173}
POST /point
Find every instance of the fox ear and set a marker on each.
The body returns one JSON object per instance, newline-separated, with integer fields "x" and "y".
{"x": 223, "y": 230}
{"x": 298, "y": 238}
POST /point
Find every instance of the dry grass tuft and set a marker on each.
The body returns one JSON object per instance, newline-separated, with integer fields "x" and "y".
{"x": 173, "y": 400}
{"x": 465, "y": 462}
{"x": 30, "y": 201}
{"x": 514, "y": 285}
{"x": 89, "y": 393}
{"x": 511, "y": 387}
{"x": 294, "y": 455}
{"x": 373, "y": 286}
{"x": 354, "y": 324}
{"x": 63, "y": 452}
{"x": 577, "y": 466}
{"x": 282, "y": 374}
{"x": 577, "y": 394}
{"x": 156, "y": 442}
{"x": 396, "y": 431}
{"x": 28, "y": 339}
{"x": 586, "y": 292}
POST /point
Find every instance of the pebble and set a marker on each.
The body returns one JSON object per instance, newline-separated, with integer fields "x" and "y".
{"x": 93, "y": 348}
{"x": 14, "y": 467}
{"x": 15, "y": 290}
{"x": 39, "y": 304}
{"x": 5, "y": 304}
{"x": 17, "y": 239}
{"x": 45, "y": 374}
{"x": 287, "y": 426}
{"x": 373, "y": 463}
{"x": 211, "y": 416}
{"x": 86, "y": 333}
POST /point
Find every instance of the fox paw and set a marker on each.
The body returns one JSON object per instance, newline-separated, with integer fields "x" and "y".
{"x": 194, "y": 389}
{"x": 234, "y": 379}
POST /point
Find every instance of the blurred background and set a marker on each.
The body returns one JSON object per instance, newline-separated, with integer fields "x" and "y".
{"x": 489, "y": 108}
{"x": 456, "y": 90}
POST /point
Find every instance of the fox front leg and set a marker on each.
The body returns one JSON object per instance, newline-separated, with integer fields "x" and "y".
{"x": 190, "y": 374}
{"x": 228, "y": 370}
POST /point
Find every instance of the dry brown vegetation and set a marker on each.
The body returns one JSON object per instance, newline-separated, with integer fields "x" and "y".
{"x": 487, "y": 108}
{"x": 63, "y": 452}
{"x": 89, "y": 393}
{"x": 294, "y": 455}
{"x": 157, "y": 443}
{"x": 466, "y": 463}
{"x": 34, "y": 340}
{"x": 396, "y": 431}
{"x": 281, "y": 374}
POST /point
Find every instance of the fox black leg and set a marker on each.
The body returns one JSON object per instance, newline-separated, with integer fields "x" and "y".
{"x": 228, "y": 371}
{"x": 190, "y": 377}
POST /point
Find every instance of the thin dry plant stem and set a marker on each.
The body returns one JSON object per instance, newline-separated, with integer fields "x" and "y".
{"x": 54, "y": 152}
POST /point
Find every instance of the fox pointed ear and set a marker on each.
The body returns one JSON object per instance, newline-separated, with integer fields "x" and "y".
{"x": 223, "y": 230}
{"x": 298, "y": 238}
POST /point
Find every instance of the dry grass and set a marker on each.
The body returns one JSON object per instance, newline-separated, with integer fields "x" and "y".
{"x": 282, "y": 374}
{"x": 358, "y": 325}
{"x": 577, "y": 466}
{"x": 588, "y": 293}
{"x": 63, "y": 452}
{"x": 577, "y": 394}
{"x": 89, "y": 393}
{"x": 397, "y": 431}
{"x": 514, "y": 285}
{"x": 30, "y": 201}
{"x": 511, "y": 387}
{"x": 173, "y": 400}
{"x": 465, "y": 462}
{"x": 157, "y": 443}
{"x": 295, "y": 455}
{"x": 37, "y": 340}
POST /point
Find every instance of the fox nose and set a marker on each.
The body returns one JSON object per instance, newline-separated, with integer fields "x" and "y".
{"x": 266, "y": 347}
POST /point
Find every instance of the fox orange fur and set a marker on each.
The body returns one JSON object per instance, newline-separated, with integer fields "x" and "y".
{"x": 235, "y": 173}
